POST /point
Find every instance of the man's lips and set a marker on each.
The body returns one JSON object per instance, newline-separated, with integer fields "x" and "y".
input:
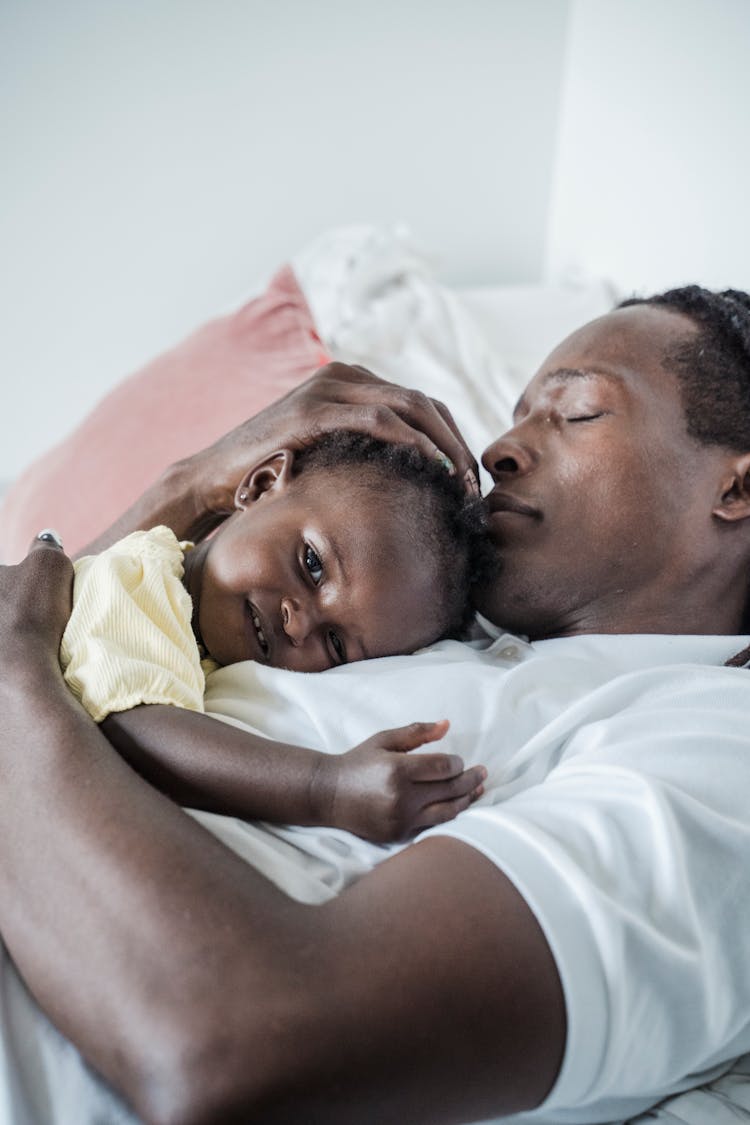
{"x": 258, "y": 631}
{"x": 502, "y": 502}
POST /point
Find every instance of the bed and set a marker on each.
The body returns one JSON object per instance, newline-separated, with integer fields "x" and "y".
{"x": 362, "y": 295}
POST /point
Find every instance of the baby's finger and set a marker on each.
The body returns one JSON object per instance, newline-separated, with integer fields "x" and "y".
{"x": 402, "y": 739}
{"x": 439, "y": 812}
{"x": 444, "y": 769}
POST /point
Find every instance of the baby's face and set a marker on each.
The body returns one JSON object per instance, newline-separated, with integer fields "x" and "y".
{"x": 314, "y": 573}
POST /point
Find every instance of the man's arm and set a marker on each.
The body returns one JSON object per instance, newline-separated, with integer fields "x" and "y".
{"x": 424, "y": 993}
{"x": 375, "y": 790}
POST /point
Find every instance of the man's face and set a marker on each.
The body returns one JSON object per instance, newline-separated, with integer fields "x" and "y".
{"x": 317, "y": 571}
{"x": 601, "y": 498}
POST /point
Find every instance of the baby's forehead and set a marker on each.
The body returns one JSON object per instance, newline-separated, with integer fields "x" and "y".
{"x": 361, "y": 487}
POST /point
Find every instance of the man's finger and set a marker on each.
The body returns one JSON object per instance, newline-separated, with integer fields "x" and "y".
{"x": 48, "y": 542}
{"x": 396, "y": 414}
{"x": 47, "y": 537}
{"x": 450, "y": 421}
{"x": 377, "y": 419}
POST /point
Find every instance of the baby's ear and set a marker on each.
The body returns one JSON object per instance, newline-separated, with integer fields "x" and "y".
{"x": 271, "y": 475}
{"x": 734, "y": 500}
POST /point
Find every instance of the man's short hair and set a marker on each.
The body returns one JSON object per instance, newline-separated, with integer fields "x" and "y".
{"x": 714, "y": 366}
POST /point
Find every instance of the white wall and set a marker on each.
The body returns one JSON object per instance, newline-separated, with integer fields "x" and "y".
{"x": 652, "y": 182}
{"x": 161, "y": 156}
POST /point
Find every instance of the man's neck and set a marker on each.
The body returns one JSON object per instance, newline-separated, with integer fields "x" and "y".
{"x": 652, "y": 615}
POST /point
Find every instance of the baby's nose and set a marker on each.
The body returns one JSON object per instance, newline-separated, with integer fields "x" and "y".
{"x": 296, "y": 620}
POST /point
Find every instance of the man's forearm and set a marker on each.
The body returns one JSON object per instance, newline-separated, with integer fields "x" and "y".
{"x": 425, "y": 992}
{"x": 173, "y": 499}
{"x": 206, "y": 764}
{"x": 107, "y": 889}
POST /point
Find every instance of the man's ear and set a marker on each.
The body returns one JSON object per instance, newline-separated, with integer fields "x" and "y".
{"x": 270, "y": 475}
{"x": 734, "y": 500}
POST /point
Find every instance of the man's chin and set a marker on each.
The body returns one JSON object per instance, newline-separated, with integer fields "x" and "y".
{"x": 489, "y": 602}
{"x": 512, "y": 611}
{"x": 488, "y": 597}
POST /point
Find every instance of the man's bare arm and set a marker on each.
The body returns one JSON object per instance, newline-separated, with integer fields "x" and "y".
{"x": 424, "y": 993}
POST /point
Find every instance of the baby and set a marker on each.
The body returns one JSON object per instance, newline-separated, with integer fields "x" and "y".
{"x": 347, "y": 550}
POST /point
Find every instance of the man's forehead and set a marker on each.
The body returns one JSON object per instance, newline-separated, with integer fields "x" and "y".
{"x": 626, "y": 348}
{"x": 634, "y": 339}
{"x": 551, "y": 377}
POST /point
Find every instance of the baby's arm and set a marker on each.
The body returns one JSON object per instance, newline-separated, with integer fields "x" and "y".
{"x": 375, "y": 790}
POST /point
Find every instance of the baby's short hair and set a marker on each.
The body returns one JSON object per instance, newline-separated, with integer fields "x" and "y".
{"x": 449, "y": 527}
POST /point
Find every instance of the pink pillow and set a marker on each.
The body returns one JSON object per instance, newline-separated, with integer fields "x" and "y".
{"x": 181, "y": 401}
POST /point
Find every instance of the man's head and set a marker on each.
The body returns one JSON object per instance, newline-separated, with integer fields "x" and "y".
{"x": 622, "y": 492}
{"x": 349, "y": 549}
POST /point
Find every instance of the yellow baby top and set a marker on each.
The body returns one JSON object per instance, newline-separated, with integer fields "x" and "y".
{"x": 129, "y": 639}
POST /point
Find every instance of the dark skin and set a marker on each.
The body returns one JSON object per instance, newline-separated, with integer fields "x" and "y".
{"x": 180, "y": 1033}
{"x": 662, "y": 542}
{"x": 311, "y": 559}
{"x": 376, "y": 790}
{"x": 314, "y": 554}
{"x": 194, "y": 496}
{"x": 425, "y": 992}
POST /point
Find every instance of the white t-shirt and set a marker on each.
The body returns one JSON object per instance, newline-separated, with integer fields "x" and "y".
{"x": 616, "y": 801}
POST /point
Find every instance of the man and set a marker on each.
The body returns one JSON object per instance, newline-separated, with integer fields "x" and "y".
{"x": 578, "y": 946}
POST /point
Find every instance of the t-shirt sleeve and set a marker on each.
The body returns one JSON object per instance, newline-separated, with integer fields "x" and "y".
{"x": 634, "y": 856}
{"x": 129, "y": 639}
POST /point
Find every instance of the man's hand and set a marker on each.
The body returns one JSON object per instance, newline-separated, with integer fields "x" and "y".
{"x": 195, "y": 495}
{"x": 383, "y": 794}
{"x": 35, "y": 602}
{"x": 337, "y": 397}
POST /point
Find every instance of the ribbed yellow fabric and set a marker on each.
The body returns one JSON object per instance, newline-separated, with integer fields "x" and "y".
{"x": 129, "y": 638}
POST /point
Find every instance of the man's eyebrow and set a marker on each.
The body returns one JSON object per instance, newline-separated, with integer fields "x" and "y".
{"x": 568, "y": 375}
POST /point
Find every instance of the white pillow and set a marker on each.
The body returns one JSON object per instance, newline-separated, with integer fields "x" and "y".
{"x": 375, "y": 302}
{"x": 523, "y": 323}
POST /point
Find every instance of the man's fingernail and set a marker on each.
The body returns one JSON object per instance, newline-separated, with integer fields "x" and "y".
{"x": 49, "y": 535}
{"x": 471, "y": 482}
{"x": 445, "y": 462}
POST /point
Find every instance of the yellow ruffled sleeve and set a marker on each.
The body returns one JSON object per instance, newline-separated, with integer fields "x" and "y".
{"x": 129, "y": 639}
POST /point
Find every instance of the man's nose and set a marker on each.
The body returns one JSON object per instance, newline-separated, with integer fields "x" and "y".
{"x": 508, "y": 455}
{"x": 297, "y": 620}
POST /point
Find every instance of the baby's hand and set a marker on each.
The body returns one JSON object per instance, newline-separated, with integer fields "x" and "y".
{"x": 383, "y": 794}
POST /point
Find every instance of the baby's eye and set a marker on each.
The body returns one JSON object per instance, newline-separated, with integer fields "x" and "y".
{"x": 313, "y": 563}
{"x": 586, "y": 417}
{"x": 338, "y": 646}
